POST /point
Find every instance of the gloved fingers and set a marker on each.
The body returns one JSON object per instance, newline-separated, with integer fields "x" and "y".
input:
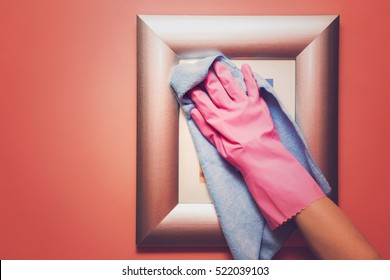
{"x": 251, "y": 85}
{"x": 203, "y": 103}
{"x": 216, "y": 91}
{"x": 229, "y": 83}
{"x": 203, "y": 126}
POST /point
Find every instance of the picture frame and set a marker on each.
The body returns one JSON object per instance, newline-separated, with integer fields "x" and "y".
{"x": 162, "y": 40}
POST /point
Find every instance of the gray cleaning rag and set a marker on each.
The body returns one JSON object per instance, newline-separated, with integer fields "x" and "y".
{"x": 245, "y": 230}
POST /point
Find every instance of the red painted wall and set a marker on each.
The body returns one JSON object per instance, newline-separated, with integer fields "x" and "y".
{"x": 68, "y": 122}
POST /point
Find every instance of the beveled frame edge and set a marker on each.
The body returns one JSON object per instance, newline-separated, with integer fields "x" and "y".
{"x": 311, "y": 40}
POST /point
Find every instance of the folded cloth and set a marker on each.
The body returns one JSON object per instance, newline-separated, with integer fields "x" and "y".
{"x": 245, "y": 230}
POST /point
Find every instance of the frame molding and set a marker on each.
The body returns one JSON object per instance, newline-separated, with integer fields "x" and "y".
{"x": 161, "y": 41}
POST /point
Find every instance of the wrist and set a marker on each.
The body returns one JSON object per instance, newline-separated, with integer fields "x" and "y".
{"x": 279, "y": 184}
{"x": 258, "y": 155}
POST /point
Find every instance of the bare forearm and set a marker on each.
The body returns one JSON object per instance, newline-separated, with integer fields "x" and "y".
{"x": 331, "y": 234}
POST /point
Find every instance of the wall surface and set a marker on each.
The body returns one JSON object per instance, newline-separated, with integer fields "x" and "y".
{"x": 68, "y": 123}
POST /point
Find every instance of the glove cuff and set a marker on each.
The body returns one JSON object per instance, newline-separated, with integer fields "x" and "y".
{"x": 278, "y": 182}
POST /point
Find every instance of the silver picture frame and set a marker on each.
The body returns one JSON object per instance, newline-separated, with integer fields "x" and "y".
{"x": 162, "y": 40}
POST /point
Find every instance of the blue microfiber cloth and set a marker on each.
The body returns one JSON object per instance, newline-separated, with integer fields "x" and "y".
{"x": 245, "y": 230}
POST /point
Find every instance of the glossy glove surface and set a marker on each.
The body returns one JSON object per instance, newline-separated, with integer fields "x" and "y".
{"x": 240, "y": 126}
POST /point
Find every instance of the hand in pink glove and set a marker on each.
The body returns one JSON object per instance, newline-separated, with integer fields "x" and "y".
{"x": 240, "y": 126}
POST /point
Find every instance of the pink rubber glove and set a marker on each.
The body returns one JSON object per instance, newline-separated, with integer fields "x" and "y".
{"x": 240, "y": 126}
